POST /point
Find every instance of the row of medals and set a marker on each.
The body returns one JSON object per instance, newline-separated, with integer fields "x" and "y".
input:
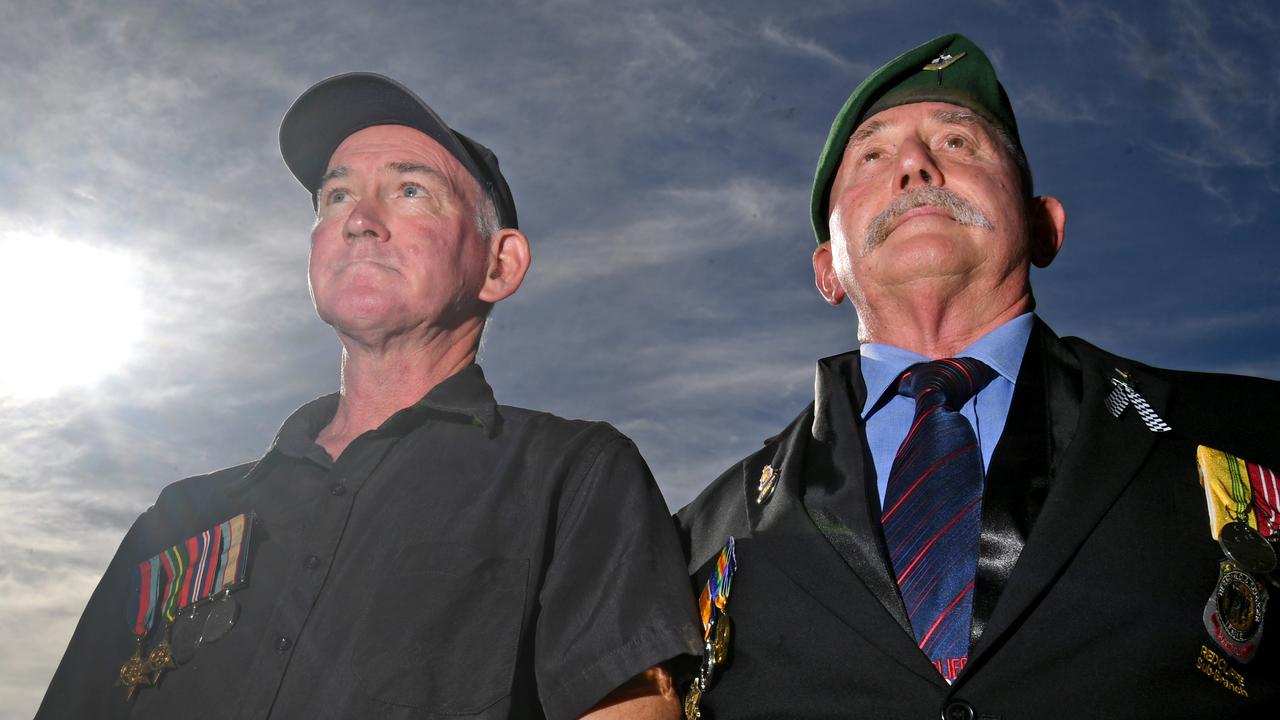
{"x": 715, "y": 651}
{"x": 1240, "y": 597}
{"x": 199, "y": 625}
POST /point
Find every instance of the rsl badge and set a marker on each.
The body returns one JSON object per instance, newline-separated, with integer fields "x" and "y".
{"x": 1235, "y": 612}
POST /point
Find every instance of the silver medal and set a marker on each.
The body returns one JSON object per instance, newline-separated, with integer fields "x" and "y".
{"x": 1247, "y": 549}
{"x": 223, "y": 614}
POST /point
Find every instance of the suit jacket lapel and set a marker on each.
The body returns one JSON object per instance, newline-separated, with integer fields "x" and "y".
{"x": 1095, "y": 457}
{"x": 824, "y": 519}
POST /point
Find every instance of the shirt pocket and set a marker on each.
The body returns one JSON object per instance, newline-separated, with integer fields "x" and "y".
{"x": 442, "y": 629}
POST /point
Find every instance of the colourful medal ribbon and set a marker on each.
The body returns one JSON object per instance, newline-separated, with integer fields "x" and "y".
{"x": 716, "y": 590}
{"x": 1266, "y": 493}
{"x": 142, "y": 604}
{"x": 1228, "y": 488}
{"x": 175, "y": 567}
{"x": 234, "y": 558}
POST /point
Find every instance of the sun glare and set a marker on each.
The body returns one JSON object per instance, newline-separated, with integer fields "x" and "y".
{"x": 70, "y": 313}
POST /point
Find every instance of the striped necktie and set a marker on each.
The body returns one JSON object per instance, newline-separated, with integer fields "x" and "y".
{"x": 933, "y": 508}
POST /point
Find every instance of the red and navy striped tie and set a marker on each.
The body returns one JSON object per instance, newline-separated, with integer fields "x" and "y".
{"x": 933, "y": 508}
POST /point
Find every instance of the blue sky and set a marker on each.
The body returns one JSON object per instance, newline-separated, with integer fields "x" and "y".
{"x": 660, "y": 155}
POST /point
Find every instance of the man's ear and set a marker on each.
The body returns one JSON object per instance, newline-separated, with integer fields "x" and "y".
{"x": 1048, "y": 228}
{"x": 824, "y": 275}
{"x": 508, "y": 262}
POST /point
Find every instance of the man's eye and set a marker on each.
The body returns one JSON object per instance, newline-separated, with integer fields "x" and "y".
{"x": 413, "y": 190}
{"x": 871, "y": 156}
{"x": 956, "y": 142}
{"x": 336, "y": 196}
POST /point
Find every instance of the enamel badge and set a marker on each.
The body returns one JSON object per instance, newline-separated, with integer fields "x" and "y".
{"x": 1235, "y": 612}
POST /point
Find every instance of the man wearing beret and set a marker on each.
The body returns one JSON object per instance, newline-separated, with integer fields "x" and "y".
{"x": 976, "y": 518}
{"x": 406, "y": 548}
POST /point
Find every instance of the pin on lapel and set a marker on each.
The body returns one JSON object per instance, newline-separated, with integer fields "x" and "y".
{"x": 1123, "y": 394}
{"x": 768, "y": 480}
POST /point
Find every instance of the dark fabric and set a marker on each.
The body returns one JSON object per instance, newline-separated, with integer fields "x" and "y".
{"x": 463, "y": 560}
{"x": 1015, "y": 486}
{"x": 933, "y": 507}
{"x": 1100, "y": 613}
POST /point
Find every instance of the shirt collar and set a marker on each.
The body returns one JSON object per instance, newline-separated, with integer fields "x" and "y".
{"x": 464, "y": 396}
{"x": 1002, "y": 349}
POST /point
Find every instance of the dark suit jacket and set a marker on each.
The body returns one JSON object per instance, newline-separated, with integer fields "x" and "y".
{"x": 1096, "y": 559}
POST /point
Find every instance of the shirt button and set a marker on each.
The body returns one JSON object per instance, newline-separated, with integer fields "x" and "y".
{"x": 283, "y": 644}
{"x": 958, "y": 710}
{"x": 338, "y": 489}
{"x": 312, "y": 562}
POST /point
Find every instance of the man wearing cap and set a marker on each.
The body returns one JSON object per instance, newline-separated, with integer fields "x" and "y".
{"x": 977, "y": 518}
{"x": 406, "y": 548}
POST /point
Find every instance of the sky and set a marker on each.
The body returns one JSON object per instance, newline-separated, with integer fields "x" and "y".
{"x": 154, "y": 245}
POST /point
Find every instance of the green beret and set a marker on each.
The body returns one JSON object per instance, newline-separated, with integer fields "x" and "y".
{"x": 948, "y": 69}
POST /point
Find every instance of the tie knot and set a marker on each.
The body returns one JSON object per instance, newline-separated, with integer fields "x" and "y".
{"x": 949, "y": 381}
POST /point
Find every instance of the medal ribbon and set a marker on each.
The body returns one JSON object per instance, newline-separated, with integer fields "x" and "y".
{"x": 1227, "y": 482}
{"x": 1266, "y": 493}
{"x": 716, "y": 590}
{"x": 234, "y": 556}
{"x": 194, "y": 570}
{"x": 142, "y": 604}
{"x": 175, "y": 567}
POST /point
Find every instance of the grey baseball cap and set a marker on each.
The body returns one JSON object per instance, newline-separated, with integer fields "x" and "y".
{"x": 334, "y": 108}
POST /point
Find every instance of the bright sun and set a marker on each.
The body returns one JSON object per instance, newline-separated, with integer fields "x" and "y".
{"x": 70, "y": 313}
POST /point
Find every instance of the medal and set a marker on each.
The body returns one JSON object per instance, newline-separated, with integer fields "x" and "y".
{"x": 186, "y": 634}
{"x": 720, "y": 639}
{"x": 223, "y": 613}
{"x": 194, "y": 571}
{"x": 692, "y": 700}
{"x": 1247, "y": 549}
{"x": 1235, "y": 612}
{"x": 134, "y": 673}
{"x": 716, "y": 632}
{"x": 160, "y": 658}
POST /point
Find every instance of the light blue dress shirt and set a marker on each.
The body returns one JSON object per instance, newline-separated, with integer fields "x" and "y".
{"x": 1002, "y": 349}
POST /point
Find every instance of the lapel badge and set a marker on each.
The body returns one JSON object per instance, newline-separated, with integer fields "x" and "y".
{"x": 942, "y": 62}
{"x": 1123, "y": 394}
{"x": 768, "y": 480}
{"x": 1235, "y": 611}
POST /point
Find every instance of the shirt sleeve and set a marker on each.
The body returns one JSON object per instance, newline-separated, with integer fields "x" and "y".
{"x": 615, "y": 600}
{"x": 83, "y": 686}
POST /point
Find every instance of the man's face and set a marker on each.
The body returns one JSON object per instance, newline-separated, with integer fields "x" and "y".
{"x": 395, "y": 247}
{"x": 927, "y": 192}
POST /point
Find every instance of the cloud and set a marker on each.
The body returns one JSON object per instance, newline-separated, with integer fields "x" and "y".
{"x": 810, "y": 48}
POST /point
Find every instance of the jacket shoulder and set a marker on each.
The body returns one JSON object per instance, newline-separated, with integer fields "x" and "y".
{"x": 1235, "y": 413}
{"x": 721, "y": 509}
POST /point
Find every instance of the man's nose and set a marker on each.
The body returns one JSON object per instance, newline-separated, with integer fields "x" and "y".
{"x": 916, "y": 167}
{"x": 365, "y": 221}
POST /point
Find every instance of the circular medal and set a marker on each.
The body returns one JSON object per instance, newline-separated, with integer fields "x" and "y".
{"x": 720, "y": 641}
{"x": 222, "y": 616}
{"x": 185, "y": 638}
{"x": 1247, "y": 549}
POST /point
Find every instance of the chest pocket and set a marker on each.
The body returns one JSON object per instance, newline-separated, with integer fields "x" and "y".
{"x": 442, "y": 630}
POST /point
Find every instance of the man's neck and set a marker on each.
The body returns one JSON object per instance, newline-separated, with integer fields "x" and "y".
{"x": 380, "y": 380}
{"x": 937, "y": 329}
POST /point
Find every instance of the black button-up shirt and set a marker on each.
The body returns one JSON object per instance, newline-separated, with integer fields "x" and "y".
{"x": 463, "y": 559}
